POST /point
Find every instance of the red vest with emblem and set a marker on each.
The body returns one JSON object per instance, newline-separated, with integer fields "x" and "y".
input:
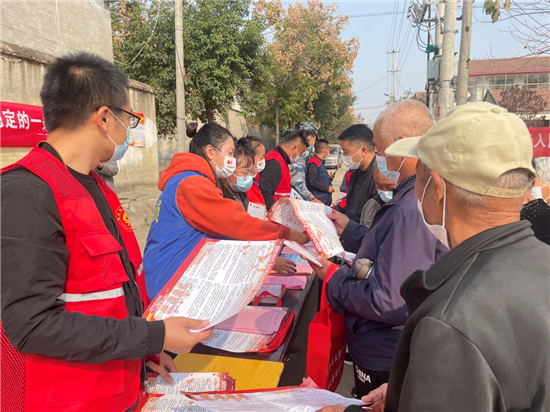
{"x": 94, "y": 287}
{"x": 283, "y": 190}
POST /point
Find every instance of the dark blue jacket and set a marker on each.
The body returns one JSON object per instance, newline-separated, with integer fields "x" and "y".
{"x": 318, "y": 180}
{"x": 398, "y": 243}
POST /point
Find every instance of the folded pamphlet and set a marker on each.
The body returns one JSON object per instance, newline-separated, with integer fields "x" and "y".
{"x": 311, "y": 217}
{"x": 216, "y": 281}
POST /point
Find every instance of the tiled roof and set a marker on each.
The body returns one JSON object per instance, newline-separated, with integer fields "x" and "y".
{"x": 537, "y": 64}
{"x": 545, "y": 93}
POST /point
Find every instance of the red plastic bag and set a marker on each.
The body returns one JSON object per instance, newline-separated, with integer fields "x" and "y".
{"x": 326, "y": 346}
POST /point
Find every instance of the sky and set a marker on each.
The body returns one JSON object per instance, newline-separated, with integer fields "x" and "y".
{"x": 379, "y": 34}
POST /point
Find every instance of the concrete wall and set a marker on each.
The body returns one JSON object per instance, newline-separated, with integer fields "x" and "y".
{"x": 21, "y": 74}
{"x": 237, "y": 124}
{"x": 58, "y": 27}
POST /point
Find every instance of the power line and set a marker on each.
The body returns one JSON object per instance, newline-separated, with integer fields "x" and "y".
{"x": 374, "y": 84}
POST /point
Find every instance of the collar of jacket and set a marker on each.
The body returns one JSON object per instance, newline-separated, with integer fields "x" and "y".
{"x": 402, "y": 189}
{"x": 422, "y": 284}
{"x": 283, "y": 153}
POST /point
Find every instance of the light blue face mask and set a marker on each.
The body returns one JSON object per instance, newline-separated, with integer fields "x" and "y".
{"x": 385, "y": 196}
{"x": 120, "y": 150}
{"x": 383, "y": 168}
{"x": 244, "y": 183}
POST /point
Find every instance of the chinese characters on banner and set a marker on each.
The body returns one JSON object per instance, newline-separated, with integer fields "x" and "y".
{"x": 21, "y": 125}
{"x": 541, "y": 141}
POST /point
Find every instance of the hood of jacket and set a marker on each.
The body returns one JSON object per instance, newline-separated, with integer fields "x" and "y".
{"x": 185, "y": 162}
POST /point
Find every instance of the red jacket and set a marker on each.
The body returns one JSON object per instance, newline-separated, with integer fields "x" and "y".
{"x": 94, "y": 287}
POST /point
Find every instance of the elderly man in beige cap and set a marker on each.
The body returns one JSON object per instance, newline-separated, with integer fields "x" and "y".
{"x": 478, "y": 333}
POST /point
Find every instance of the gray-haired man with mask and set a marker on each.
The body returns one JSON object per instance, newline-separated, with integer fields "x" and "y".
{"x": 478, "y": 333}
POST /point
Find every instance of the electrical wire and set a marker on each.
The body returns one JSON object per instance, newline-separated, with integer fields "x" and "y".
{"x": 149, "y": 39}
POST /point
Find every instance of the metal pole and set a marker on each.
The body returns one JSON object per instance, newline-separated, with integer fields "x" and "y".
{"x": 445, "y": 92}
{"x": 464, "y": 58}
{"x": 180, "y": 86}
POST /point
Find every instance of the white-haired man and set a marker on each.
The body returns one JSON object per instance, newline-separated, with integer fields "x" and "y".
{"x": 478, "y": 335}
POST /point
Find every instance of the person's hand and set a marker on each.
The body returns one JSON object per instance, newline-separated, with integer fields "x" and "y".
{"x": 333, "y": 408}
{"x": 331, "y": 189}
{"x": 179, "y": 339}
{"x": 166, "y": 366}
{"x": 99, "y": 166}
{"x": 298, "y": 237}
{"x": 340, "y": 220}
{"x": 317, "y": 201}
{"x": 321, "y": 272}
{"x": 284, "y": 266}
{"x": 331, "y": 176}
{"x": 378, "y": 396}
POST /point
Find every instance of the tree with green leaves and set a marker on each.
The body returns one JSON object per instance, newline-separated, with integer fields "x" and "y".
{"x": 308, "y": 65}
{"x": 222, "y": 49}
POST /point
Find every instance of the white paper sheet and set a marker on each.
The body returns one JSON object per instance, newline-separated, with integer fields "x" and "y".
{"x": 300, "y": 215}
{"x": 308, "y": 254}
{"x": 257, "y": 210}
{"x": 237, "y": 342}
{"x": 190, "y": 382}
{"x": 221, "y": 280}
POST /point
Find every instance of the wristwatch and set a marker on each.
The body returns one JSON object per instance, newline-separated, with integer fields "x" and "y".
{"x": 362, "y": 268}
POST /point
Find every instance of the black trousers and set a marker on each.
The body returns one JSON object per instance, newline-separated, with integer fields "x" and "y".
{"x": 367, "y": 380}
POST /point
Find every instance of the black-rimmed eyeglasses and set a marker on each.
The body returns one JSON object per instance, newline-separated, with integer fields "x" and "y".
{"x": 134, "y": 119}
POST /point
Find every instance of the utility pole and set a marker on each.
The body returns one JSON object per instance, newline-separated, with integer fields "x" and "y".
{"x": 394, "y": 95}
{"x": 440, "y": 14}
{"x": 464, "y": 58}
{"x": 180, "y": 86}
{"x": 446, "y": 79}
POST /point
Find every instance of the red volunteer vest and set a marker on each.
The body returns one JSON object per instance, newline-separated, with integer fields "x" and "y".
{"x": 254, "y": 195}
{"x": 283, "y": 190}
{"x": 93, "y": 287}
{"x": 315, "y": 160}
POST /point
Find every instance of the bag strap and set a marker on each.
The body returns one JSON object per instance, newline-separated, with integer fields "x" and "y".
{"x": 332, "y": 269}
{"x": 256, "y": 301}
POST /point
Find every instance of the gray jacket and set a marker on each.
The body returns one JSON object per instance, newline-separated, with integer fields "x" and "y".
{"x": 107, "y": 172}
{"x": 478, "y": 333}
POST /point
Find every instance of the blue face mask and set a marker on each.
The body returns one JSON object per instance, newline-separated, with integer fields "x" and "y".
{"x": 383, "y": 168}
{"x": 244, "y": 183}
{"x": 120, "y": 150}
{"x": 385, "y": 196}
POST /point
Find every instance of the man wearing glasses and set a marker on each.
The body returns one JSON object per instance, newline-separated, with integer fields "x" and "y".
{"x": 73, "y": 290}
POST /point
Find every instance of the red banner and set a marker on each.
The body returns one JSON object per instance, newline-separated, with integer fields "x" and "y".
{"x": 541, "y": 141}
{"x": 21, "y": 125}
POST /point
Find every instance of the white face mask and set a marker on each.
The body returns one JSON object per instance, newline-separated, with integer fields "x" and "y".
{"x": 438, "y": 231}
{"x": 349, "y": 163}
{"x": 385, "y": 196}
{"x": 260, "y": 166}
{"x": 536, "y": 192}
{"x": 383, "y": 168}
{"x": 228, "y": 167}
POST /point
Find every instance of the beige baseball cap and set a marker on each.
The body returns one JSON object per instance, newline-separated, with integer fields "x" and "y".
{"x": 472, "y": 146}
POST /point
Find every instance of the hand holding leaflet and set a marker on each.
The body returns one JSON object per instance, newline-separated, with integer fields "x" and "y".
{"x": 217, "y": 280}
{"x": 312, "y": 217}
